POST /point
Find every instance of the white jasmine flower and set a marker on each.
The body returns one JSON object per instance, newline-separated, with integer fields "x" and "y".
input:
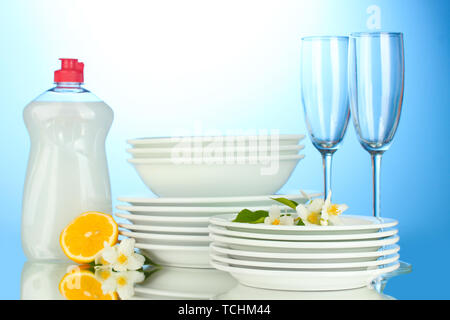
{"x": 108, "y": 251}
{"x": 330, "y": 212}
{"x": 276, "y": 218}
{"x": 122, "y": 283}
{"x": 287, "y": 220}
{"x": 310, "y": 213}
{"x": 123, "y": 257}
{"x": 274, "y": 215}
{"x": 103, "y": 273}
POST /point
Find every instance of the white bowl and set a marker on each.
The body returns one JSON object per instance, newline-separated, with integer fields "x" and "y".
{"x": 177, "y": 256}
{"x": 207, "y": 178}
{"x": 250, "y": 201}
{"x": 212, "y": 151}
{"x": 225, "y": 141}
{"x": 165, "y": 239}
{"x": 165, "y": 221}
{"x": 303, "y": 280}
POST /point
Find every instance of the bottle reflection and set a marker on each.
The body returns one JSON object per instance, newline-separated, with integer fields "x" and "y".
{"x": 40, "y": 281}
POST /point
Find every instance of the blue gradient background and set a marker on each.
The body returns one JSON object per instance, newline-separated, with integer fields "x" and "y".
{"x": 164, "y": 66}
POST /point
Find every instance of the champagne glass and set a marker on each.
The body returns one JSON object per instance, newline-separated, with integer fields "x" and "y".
{"x": 324, "y": 91}
{"x": 376, "y": 81}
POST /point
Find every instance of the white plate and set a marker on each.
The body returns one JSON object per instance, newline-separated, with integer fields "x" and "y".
{"x": 305, "y": 266}
{"x": 170, "y": 230}
{"x": 212, "y": 151}
{"x": 194, "y": 141}
{"x": 302, "y": 237}
{"x": 152, "y": 238}
{"x": 218, "y": 201}
{"x": 208, "y": 177}
{"x": 177, "y": 256}
{"x": 303, "y": 280}
{"x": 331, "y": 257}
{"x": 290, "y": 246}
{"x": 189, "y": 283}
{"x": 351, "y": 223}
{"x": 185, "y": 211}
{"x": 165, "y": 221}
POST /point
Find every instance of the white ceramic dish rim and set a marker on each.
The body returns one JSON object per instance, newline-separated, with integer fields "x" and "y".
{"x": 311, "y": 194}
{"x": 175, "y": 139}
{"x": 301, "y": 237}
{"x": 387, "y": 250}
{"x": 295, "y": 265}
{"x": 377, "y": 223}
{"x": 171, "y": 237}
{"x": 169, "y": 229}
{"x": 170, "y": 247}
{"x": 212, "y": 160}
{"x": 148, "y": 218}
{"x": 178, "y": 209}
{"x": 283, "y": 273}
{"x": 216, "y": 149}
{"x": 305, "y": 244}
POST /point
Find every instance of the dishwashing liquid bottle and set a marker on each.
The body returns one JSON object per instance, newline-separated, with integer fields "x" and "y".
{"x": 67, "y": 170}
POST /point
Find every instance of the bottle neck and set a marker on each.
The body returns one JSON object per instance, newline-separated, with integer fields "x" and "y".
{"x": 68, "y": 87}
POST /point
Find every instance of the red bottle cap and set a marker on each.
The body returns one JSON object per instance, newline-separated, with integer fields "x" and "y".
{"x": 71, "y": 71}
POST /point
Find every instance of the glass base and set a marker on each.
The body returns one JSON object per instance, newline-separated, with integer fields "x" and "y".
{"x": 404, "y": 268}
{"x": 380, "y": 283}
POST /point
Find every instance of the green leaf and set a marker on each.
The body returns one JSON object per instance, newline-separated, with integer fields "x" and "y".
{"x": 248, "y": 216}
{"x": 300, "y": 222}
{"x": 290, "y": 203}
{"x": 149, "y": 271}
{"x": 148, "y": 261}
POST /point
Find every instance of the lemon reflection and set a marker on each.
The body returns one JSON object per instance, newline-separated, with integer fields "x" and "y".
{"x": 80, "y": 283}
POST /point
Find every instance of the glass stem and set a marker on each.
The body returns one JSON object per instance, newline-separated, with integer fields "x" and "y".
{"x": 376, "y": 167}
{"x": 327, "y": 158}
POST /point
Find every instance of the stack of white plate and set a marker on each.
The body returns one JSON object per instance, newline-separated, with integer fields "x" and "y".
{"x": 305, "y": 258}
{"x": 216, "y": 166}
{"x": 174, "y": 231}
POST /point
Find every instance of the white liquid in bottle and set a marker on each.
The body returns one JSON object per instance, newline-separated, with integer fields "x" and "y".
{"x": 67, "y": 170}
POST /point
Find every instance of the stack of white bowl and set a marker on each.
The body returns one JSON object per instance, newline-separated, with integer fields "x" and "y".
{"x": 197, "y": 178}
{"x": 305, "y": 258}
{"x": 216, "y": 166}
